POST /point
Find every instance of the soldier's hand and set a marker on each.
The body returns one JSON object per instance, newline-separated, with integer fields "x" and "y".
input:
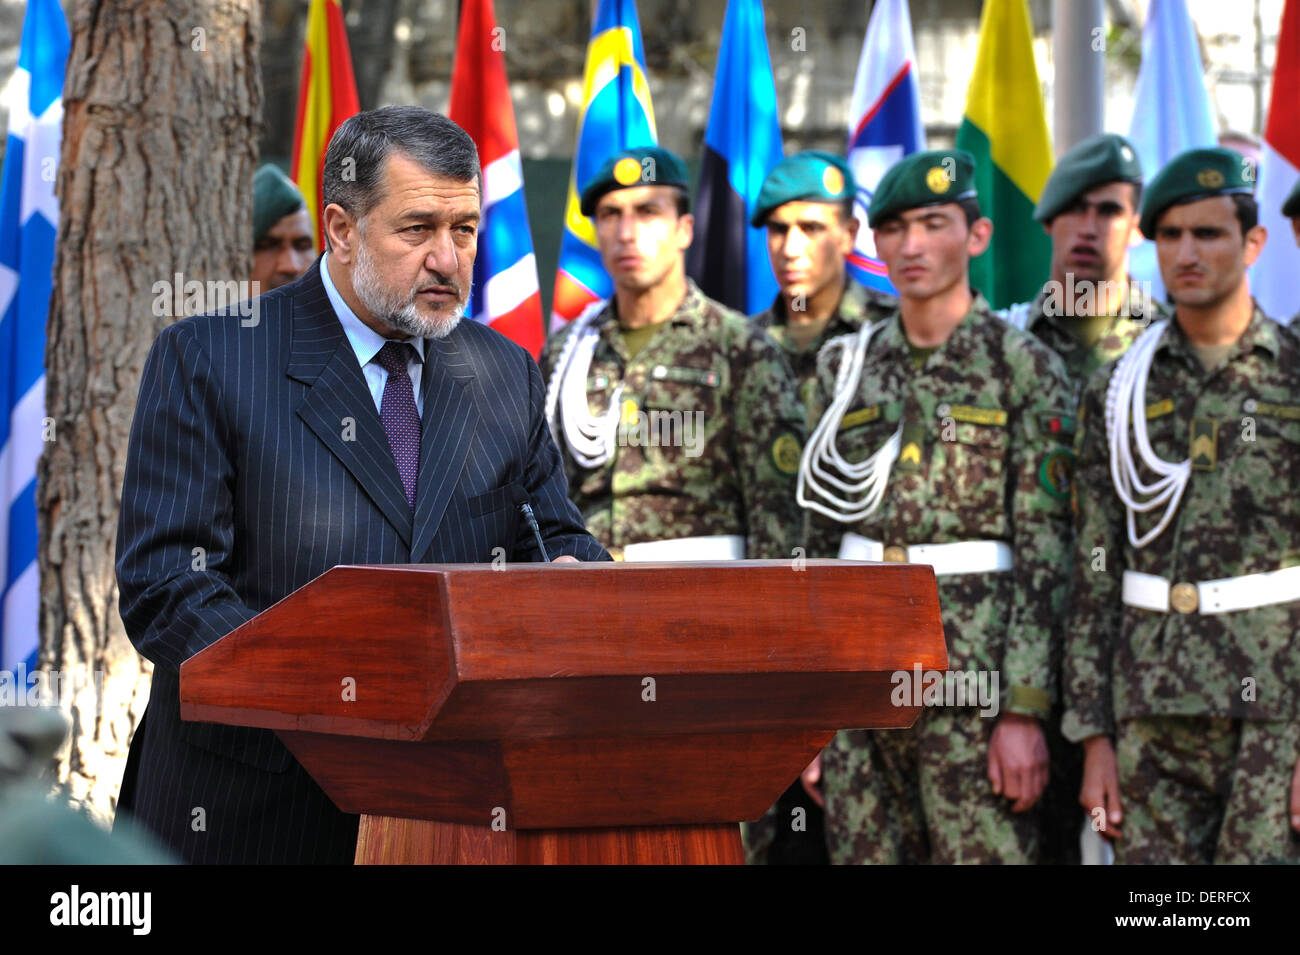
{"x": 1018, "y": 760}
{"x": 811, "y": 778}
{"x": 1101, "y": 787}
{"x": 1295, "y": 797}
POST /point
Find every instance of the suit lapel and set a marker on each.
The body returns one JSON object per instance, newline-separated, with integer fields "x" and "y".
{"x": 339, "y": 408}
{"x": 447, "y": 428}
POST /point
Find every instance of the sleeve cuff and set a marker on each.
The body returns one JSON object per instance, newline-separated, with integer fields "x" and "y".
{"x": 1029, "y": 701}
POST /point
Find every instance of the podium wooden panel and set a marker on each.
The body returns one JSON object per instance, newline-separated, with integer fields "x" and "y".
{"x": 570, "y": 712}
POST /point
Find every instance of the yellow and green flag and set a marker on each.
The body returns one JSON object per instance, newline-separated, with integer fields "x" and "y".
{"x": 1005, "y": 129}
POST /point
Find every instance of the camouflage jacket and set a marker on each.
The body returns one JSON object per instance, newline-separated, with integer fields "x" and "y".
{"x": 1137, "y": 311}
{"x": 857, "y": 305}
{"x": 989, "y": 413}
{"x": 741, "y": 423}
{"x": 1238, "y": 515}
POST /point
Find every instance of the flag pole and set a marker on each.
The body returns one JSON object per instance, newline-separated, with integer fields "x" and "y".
{"x": 1079, "y": 49}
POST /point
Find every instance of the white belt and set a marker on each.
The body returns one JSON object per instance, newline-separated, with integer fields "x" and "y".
{"x": 1150, "y": 592}
{"x": 718, "y": 547}
{"x": 960, "y": 557}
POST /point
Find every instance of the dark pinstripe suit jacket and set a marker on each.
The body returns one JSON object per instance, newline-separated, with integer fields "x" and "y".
{"x": 257, "y": 462}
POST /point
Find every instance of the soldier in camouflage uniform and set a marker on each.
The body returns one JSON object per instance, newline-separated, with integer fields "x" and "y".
{"x": 966, "y": 418}
{"x": 1181, "y": 672}
{"x": 678, "y": 421}
{"x": 1089, "y": 312}
{"x": 806, "y": 205}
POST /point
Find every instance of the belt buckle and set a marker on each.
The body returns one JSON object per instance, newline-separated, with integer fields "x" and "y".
{"x": 615, "y": 552}
{"x": 1183, "y": 597}
{"x": 896, "y": 554}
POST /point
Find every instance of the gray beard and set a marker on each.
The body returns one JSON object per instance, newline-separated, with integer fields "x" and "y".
{"x": 392, "y": 308}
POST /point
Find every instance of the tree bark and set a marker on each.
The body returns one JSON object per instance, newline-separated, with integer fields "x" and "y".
{"x": 162, "y": 104}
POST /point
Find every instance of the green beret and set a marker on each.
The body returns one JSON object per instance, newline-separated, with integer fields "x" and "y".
{"x": 1291, "y": 208}
{"x": 638, "y": 166}
{"x": 930, "y": 178}
{"x": 274, "y": 197}
{"x": 1196, "y": 174}
{"x": 1094, "y": 162}
{"x": 810, "y": 176}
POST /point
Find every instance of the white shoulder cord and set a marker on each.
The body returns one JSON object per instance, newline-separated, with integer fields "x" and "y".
{"x": 1017, "y": 315}
{"x": 590, "y": 438}
{"x": 1125, "y": 402}
{"x": 870, "y": 476}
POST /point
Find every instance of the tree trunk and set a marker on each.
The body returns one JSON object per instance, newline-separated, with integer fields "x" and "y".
{"x": 162, "y": 106}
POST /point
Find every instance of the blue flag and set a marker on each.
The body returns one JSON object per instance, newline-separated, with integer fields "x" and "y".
{"x": 29, "y": 217}
{"x": 728, "y": 258}
{"x": 1171, "y": 108}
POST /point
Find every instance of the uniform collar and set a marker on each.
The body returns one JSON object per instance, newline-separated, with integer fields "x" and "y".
{"x": 894, "y": 343}
{"x": 689, "y": 311}
{"x": 851, "y": 309}
{"x": 1261, "y": 333}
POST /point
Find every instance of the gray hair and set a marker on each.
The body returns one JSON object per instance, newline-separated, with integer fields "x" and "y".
{"x": 354, "y": 161}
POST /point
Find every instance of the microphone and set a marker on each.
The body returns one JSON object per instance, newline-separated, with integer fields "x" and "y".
{"x": 527, "y": 511}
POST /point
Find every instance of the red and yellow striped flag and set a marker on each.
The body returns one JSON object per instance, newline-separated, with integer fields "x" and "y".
{"x": 327, "y": 95}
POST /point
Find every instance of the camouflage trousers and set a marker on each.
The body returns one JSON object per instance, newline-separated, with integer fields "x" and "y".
{"x": 921, "y": 795}
{"x": 1202, "y": 789}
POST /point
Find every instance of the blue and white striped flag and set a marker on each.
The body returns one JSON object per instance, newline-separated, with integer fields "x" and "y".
{"x": 29, "y": 217}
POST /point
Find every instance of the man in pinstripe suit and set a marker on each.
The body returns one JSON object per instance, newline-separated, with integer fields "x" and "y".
{"x": 353, "y": 420}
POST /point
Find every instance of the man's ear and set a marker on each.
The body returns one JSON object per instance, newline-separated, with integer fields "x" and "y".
{"x": 341, "y": 232}
{"x": 1135, "y": 236}
{"x": 981, "y": 234}
{"x": 1255, "y": 240}
{"x": 851, "y": 231}
{"x": 685, "y": 231}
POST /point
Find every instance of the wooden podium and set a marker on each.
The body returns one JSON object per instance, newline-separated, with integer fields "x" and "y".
{"x": 569, "y": 713}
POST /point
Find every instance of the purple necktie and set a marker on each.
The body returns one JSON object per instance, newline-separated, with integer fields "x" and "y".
{"x": 397, "y": 410}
